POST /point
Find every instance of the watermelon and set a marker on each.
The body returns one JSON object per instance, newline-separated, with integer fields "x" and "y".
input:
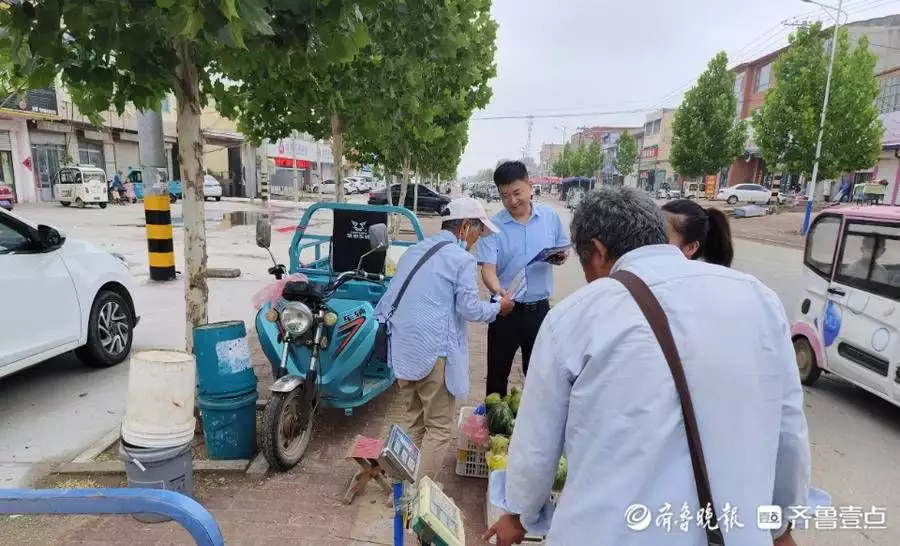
{"x": 562, "y": 470}
{"x": 513, "y": 399}
{"x": 500, "y": 419}
{"x": 492, "y": 400}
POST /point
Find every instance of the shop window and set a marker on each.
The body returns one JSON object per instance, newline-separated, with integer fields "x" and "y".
{"x": 7, "y": 174}
{"x": 763, "y": 78}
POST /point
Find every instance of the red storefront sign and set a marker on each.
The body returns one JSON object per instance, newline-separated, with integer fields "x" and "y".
{"x": 287, "y": 163}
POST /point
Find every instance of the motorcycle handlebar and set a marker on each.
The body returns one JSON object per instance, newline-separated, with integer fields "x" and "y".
{"x": 363, "y": 275}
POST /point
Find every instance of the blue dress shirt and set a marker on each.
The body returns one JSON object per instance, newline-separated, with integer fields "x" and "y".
{"x": 518, "y": 243}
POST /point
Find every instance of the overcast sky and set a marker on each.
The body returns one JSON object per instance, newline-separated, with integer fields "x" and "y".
{"x": 589, "y": 56}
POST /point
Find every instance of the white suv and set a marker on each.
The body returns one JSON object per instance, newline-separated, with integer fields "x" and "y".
{"x": 59, "y": 295}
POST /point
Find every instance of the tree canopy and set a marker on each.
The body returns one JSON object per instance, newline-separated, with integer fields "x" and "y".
{"x": 707, "y": 134}
{"x": 627, "y": 155}
{"x": 404, "y": 99}
{"x": 584, "y": 161}
{"x": 786, "y": 128}
{"x": 112, "y": 52}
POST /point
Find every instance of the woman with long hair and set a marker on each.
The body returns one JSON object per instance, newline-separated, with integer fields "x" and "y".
{"x": 701, "y": 233}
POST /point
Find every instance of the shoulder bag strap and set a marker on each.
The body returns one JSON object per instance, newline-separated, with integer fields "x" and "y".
{"x": 655, "y": 315}
{"x": 425, "y": 257}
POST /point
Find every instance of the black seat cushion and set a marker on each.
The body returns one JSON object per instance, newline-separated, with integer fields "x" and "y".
{"x": 350, "y": 240}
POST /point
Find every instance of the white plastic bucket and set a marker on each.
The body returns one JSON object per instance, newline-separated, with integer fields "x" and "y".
{"x": 159, "y": 410}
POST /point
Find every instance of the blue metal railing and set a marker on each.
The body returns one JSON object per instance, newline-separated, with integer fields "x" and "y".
{"x": 195, "y": 519}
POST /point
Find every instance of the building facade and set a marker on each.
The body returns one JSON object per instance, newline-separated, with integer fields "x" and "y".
{"x": 43, "y": 130}
{"x": 656, "y": 140}
{"x": 609, "y": 174}
{"x": 753, "y": 80}
{"x": 549, "y": 153}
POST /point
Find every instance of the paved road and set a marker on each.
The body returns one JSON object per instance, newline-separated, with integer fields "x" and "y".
{"x": 53, "y": 411}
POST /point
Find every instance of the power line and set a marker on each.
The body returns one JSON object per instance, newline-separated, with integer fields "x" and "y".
{"x": 566, "y": 115}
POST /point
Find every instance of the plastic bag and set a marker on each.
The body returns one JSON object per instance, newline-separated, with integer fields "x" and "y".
{"x": 272, "y": 293}
{"x": 475, "y": 428}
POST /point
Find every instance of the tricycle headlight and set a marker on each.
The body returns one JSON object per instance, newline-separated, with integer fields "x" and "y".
{"x": 296, "y": 318}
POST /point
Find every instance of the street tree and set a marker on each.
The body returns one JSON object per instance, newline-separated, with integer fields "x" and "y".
{"x": 485, "y": 175}
{"x": 563, "y": 165}
{"x": 627, "y": 155}
{"x": 590, "y": 159}
{"x": 109, "y": 53}
{"x": 786, "y": 128}
{"x": 418, "y": 59}
{"x": 707, "y": 135}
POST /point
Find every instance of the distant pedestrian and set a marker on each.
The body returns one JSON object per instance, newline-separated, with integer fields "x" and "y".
{"x": 700, "y": 233}
{"x": 526, "y": 229}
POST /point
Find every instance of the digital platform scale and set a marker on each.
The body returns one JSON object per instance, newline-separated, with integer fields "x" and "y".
{"x": 434, "y": 517}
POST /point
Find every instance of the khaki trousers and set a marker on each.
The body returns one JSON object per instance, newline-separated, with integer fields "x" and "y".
{"x": 429, "y": 417}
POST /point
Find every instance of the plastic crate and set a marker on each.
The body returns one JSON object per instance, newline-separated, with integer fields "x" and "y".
{"x": 470, "y": 459}
{"x": 492, "y": 514}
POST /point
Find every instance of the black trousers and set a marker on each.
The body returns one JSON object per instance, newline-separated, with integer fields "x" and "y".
{"x": 508, "y": 334}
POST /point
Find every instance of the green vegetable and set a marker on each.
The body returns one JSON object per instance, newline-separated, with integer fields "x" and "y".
{"x": 562, "y": 471}
{"x": 492, "y": 400}
{"x": 499, "y": 444}
{"x": 499, "y": 419}
{"x": 496, "y": 461}
{"x": 513, "y": 399}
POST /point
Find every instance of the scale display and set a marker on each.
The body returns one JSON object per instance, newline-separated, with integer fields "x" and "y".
{"x": 400, "y": 455}
{"x": 436, "y": 519}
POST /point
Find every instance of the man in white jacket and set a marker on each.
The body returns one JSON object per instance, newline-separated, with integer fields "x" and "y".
{"x": 600, "y": 391}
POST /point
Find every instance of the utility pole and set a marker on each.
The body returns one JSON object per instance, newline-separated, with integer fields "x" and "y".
{"x": 294, "y": 166}
{"x": 527, "y": 150}
{"x": 811, "y": 193}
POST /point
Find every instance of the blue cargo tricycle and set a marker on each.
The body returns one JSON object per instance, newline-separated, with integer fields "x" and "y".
{"x": 319, "y": 334}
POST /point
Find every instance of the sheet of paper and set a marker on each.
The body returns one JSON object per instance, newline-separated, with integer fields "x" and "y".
{"x": 517, "y": 286}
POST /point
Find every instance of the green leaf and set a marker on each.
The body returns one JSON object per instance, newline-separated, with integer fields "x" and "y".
{"x": 229, "y": 9}
{"x": 165, "y": 4}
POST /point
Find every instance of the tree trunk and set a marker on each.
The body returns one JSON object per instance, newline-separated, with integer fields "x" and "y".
{"x": 404, "y": 184}
{"x": 416, "y": 189}
{"x": 337, "y": 150}
{"x": 190, "y": 148}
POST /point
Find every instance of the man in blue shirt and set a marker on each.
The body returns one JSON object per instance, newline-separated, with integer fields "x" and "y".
{"x": 429, "y": 347}
{"x": 525, "y": 229}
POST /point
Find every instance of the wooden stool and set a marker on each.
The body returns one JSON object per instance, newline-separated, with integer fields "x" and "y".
{"x": 366, "y": 451}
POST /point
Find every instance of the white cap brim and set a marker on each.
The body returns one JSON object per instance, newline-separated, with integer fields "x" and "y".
{"x": 492, "y": 227}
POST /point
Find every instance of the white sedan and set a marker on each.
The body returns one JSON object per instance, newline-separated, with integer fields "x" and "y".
{"x": 61, "y": 295}
{"x": 211, "y": 188}
{"x": 744, "y": 193}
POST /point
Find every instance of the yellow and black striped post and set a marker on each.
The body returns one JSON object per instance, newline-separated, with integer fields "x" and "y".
{"x": 264, "y": 187}
{"x": 160, "y": 241}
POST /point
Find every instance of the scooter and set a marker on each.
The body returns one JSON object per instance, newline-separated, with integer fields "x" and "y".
{"x": 319, "y": 334}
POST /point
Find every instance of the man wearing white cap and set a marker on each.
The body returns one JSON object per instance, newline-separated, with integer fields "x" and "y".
{"x": 430, "y": 299}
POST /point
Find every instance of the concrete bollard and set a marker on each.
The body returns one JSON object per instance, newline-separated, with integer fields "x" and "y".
{"x": 160, "y": 240}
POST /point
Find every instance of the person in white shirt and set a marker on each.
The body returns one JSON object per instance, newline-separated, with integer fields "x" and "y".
{"x": 600, "y": 391}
